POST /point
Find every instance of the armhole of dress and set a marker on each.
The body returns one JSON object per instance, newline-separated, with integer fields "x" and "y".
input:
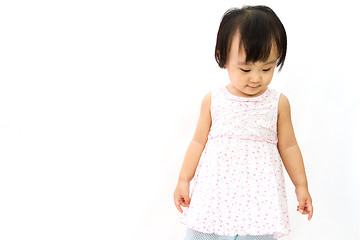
{"x": 278, "y": 93}
{"x": 212, "y": 104}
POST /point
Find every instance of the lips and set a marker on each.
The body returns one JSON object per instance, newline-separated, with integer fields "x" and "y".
{"x": 253, "y": 87}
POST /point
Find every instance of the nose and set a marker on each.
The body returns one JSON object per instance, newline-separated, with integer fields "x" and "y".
{"x": 255, "y": 78}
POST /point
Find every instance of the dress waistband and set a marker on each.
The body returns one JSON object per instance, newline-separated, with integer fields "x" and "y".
{"x": 263, "y": 139}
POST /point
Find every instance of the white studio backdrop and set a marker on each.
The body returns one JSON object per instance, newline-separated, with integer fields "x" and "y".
{"x": 100, "y": 99}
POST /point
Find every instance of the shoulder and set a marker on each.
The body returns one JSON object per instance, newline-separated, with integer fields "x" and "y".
{"x": 206, "y": 101}
{"x": 284, "y": 104}
{"x": 207, "y": 96}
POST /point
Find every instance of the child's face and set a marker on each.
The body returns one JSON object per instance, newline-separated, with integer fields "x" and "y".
{"x": 245, "y": 76}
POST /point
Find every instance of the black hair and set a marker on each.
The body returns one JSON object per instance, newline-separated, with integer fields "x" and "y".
{"x": 259, "y": 27}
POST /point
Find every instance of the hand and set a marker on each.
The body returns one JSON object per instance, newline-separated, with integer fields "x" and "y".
{"x": 305, "y": 202}
{"x": 181, "y": 195}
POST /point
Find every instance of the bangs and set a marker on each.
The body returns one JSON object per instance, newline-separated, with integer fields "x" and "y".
{"x": 256, "y": 36}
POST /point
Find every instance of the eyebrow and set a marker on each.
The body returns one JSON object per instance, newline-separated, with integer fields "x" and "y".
{"x": 270, "y": 62}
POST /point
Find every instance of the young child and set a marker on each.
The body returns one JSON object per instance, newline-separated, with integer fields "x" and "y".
{"x": 243, "y": 136}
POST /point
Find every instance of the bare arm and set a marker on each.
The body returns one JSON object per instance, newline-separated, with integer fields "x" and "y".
{"x": 198, "y": 142}
{"x": 292, "y": 159}
{"x": 287, "y": 145}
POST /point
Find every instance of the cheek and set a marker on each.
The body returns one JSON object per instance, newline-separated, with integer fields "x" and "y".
{"x": 233, "y": 74}
{"x": 269, "y": 77}
{"x": 238, "y": 74}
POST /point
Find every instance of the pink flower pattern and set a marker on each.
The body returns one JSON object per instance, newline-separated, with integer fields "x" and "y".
{"x": 238, "y": 187}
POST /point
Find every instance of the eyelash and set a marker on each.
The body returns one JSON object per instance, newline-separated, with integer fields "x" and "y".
{"x": 265, "y": 70}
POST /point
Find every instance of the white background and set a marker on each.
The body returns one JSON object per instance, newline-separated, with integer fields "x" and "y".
{"x": 100, "y": 99}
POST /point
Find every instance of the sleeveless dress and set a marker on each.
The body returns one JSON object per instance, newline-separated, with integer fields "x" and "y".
{"x": 238, "y": 185}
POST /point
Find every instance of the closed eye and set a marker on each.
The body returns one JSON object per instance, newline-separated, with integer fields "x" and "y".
{"x": 244, "y": 70}
{"x": 265, "y": 70}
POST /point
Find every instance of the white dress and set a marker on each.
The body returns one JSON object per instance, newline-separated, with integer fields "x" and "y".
{"x": 238, "y": 186}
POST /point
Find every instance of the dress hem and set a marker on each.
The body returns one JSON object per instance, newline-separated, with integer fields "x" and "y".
{"x": 276, "y": 234}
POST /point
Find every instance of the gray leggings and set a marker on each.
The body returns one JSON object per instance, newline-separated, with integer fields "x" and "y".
{"x": 192, "y": 234}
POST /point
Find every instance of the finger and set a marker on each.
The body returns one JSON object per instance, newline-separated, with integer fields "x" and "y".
{"x": 303, "y": 211}
{"x": 177, "y": 204}
{"x": 187, "y": 200}
{"x": 301, "y": 206}
{"x": 311, "y": 210}
{"x": 184, "y": 204}
{"x": 179, "y": 208}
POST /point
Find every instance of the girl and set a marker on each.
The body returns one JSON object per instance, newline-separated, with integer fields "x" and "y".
{"x": 243, "y": 136}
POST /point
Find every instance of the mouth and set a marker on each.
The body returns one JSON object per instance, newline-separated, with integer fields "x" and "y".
{"x": 253, "y": 87}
